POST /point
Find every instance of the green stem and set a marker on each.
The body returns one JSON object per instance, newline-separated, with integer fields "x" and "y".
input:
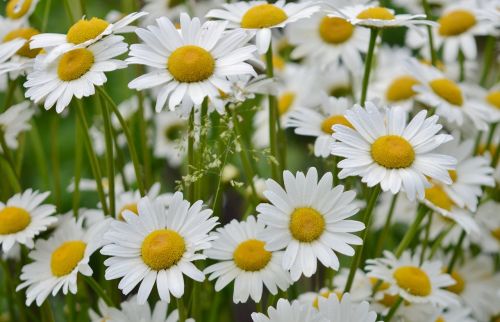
{"x": 368, "y": 64}
{"x": 366, "y": 220}
{"x": 143, "y": 136}
{"x": 78, "y": 168}
{"x": 9, "y": 290}
{"x": 182, "y": 310}
{"x": 273, "y": 119}
{"x": 38, "y": 149}
{"x": 94, "y": 163}
{"x": 190, "y": 153}
{"x": 461, "y": 63}
{"x": 99, "y": 290}
{"x": 412, "y": 231}
{"x": 491, "y": 133}
{"x": 387, "y": 226}
{"x": 7, "y": 154}
{"x": 201, "y": 150}
{"x": 477, "y": 142}
{"x": 489, "y": 51}
{"x": 11, "y": 176}
{"x": 428, "y": 13}
{"x": 438, "y": 241}
{"x": 456, "y": 252}
{"x": 54, "y": 157}
{"x": 46, "y": 12}
{"x": 110, "y": 160}
{"x": 9, "y": 95}
{"x": 393, "y": 309}
{"x": 69, "y": 12}
{"x": 46, "y": 312}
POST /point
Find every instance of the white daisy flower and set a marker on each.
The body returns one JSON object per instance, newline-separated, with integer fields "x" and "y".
{"x": 244, "y": 259}
{"x": 384, "y": 149}
{"x": 158, "y": 246}
{"x": 345, "y": 310}
{"x": 192, "y": 63}
{"x": 128, "y": 200}
{"x": 327, "y": 41}
{"x": 15, "y": 120}
{"x": 362, "y": 285}
{"x": 58, "y": 260}
{"x": 288, "y": 312}
{"x": 259, "y": 17}
{"x": 16, "y": 57}
{"x": 82, "y": 34}
{"x": 75, "y": 73}
{"x": 318, "y": 123}
{"x": 171, "y": 137}
{"x": 23, "y": 217}
{"x": 450, "y": 99}
{"x": 308, "y": 219}
{"x": 20, "y": 10}
{"x": 172, "y": 9}
{"x": 413, "y": 282}
{"x": 372, "y": 16}
{"x": 490, "y": 97}
{"x": 489, "y": 223}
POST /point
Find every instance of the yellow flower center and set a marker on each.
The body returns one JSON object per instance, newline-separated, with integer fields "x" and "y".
{"x": 263, "y": 16}
{"x": 25, "y": 33}
{"x": 456, "y": 22}
{"x": 15, "y": 11}
{"x": 131, "y": 207}
{"x": 278, "y": 62}
{"x": 306, "y": 224}
{"x": 162, "y": 249}
{"x": 251, "y": 255}
{"x": 447, "y": 90}
{"x": 74, "y": 64}
{"x": 438, "y": 197}
{"x": 393, "y": 152}
{"x": 285, "y": 101}
{"x": 378, "y": 13}
{"x": 334, "y": 30}
{"x": 459, "y": 285}
{"x": 440, "y": 319}
{"x": 388, "y": 300}
{"x": 327, "y": 124}
{"x": 324, "y": 294}
{"x": 401, "y": 89}
{"x": 66, "y": 257}
{"x": 496, "y": 233}
{"x": 13, "y": 220}
{"x": 191, "y": 64}
{"x": 494, "y": 98}
{"x": 413, "y": 280}
{"x": 453, "y": 175}
{"x": 84, "y": 30}
{"x": 384, "y": 286}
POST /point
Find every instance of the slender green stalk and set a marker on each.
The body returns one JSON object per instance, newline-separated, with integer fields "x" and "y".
{"x": 456, "y": 252}
{"x": 387, "y": 226}
{"x": 78, "y": 168}
{"x": 273, "y": 119}
{"x": 461, "y": 63}
{"x": 201, "y": 150}
{"x": 368, "y": 64}
{"x": 439, "y": 240}
{"x": 190, "y": 153}
{"x": 7, "y": 153}
{"x": 143, "y": 136}
{"x": 54, "y": 159}
{"x": 94, "y": 163}
{"x": 38, "y": 149}
{"x": 46, "y": 12}
{"x": 69, "y": 12}
{"x": 488, "y": 57}
{"x": 491, "y": 133}
{"x": 46, "y": 312}
{"x": 214, "y": 307}
{"x": 99, "y": 290}
{"x": 393, "y": 309}
{"x": 11, "y": 176}
{"x": 9, "y": 292}
{"x": 110, "y": 160}
{"x": 182, "y": 310}
{"x": 9, "y": 95}
{"x": 412, "y": 231}
{"x": 130, "y": 141}
{"x": 375, "y": 192}
{"x": 477, "y": 142}
{"x": 430, "y": 36}
{"x": 20, "y": 154}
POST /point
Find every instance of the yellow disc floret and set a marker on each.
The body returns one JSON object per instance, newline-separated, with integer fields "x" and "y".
{"x": 401, "y": 89}
{"x": 437, "y": 196}
{"x": 324, "y": 294}
{"x": 84, "y": 30}
{"x": 285, "y": 101}
{"x": 378, "y": 13}
{"x": 13, "y": 220}
{"x": 162, "y": 249}
{"x": 459, "y": 285}
{"x": 66, "y": 257}
{"x": 306, "y": 224}
{"x": 453, "y": 175}
{"x": 191, "y": 64}
{"x": 335, "y": 30}
{"x": 447, "y": 90}
{"x": 15, "y": 10}
{"x": 130, "y": 207}
{"x": 74, "y": 64}
{"x": 413, "y": 280}
{"x": 393, "y": 152}
{"x": 493, "y": 98}
{"x": 263, "y": 16}
{"x": 456, "y": 22}
{"x": 327, "y": 124}
{"x": 24, "y": 33}
{"x": 251, "y": 255}
{"x": 496, "y": 233}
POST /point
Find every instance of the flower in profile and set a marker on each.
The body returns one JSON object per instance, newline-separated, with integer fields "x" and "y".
{"x": 20, "y": 10}
{"x": 23, "y": 217}
{"x": 157, "y": 246}
{"x": 384, "y": 149}
{"x": 244, "y": 259}
{"x": 288, "y": 312}
{"x": 57, "y": 261}
{"x": 319, "y": 122}
{"x": 345, "y": 310}
{"x": 74, "y": 73}
{"x": 191, "y": 64}
{"x": 415, "y": 283}
{"x": 259, "y": 17}
{"x": 15, "y": 120}
{"x": 16, "y": 57}
{"x": 307, "y": 218}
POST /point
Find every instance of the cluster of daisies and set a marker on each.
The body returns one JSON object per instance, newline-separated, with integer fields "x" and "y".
{"x": 282, "y": 158}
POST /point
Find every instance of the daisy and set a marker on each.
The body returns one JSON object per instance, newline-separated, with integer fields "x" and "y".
{"x": 57, "y": 261}
{"x": 384, "y": 149}
{"x": 372, "y": 16}
{"x": 490, "y": 97}
{"x": 319, "y": 123}
{"x": 450, "y": 99}
{"x": 82, "y": 34}
{"x": 327, "y": 41}
{"x": 345, "y": 310}
{"x": 74, "y": 73}
{"x": 172, "y": 9}
{"x": 15, "y": 120}
{"x": 158, "y": 246}
{"x": 23, "y": 217}
{"x": 171, "y": 137}
{"x": 308, "y": 219}
{"x": 489, "y": 223}
{"x": 244, "y": 259}
{"x": 127, "y": 200}
{"x": 16, "y": 57}
{"x": 413, "y": 282}
{"x": 192, "y": 63}
{"x": 288, "y": 312}
{"x": 361, "y": 289}
{"x": 20, "y": 10}
{"x": 259, "y": 17}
